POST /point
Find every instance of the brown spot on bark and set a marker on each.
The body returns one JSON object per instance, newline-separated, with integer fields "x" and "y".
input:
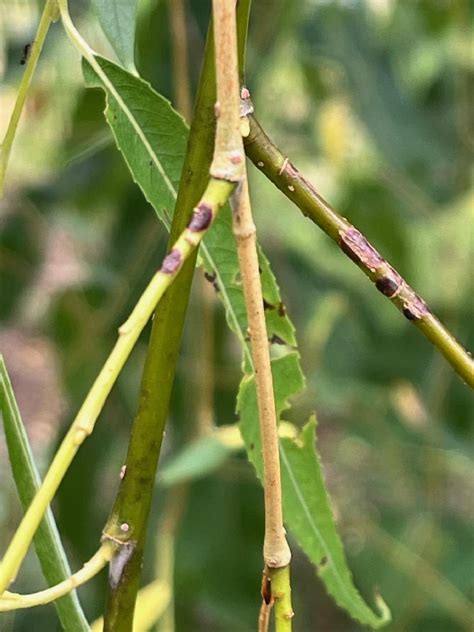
{"x": 201, "y": 219}
{"x": 388, "y": 285}
{"x": 171, "y": 262}
{"x": 415, "y": 308}
{"x": 356, "y": 247}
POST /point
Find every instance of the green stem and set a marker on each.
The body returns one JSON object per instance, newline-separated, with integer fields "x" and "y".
{"x": 271, "y": 161}
{"x": 281, "y": 595}
{"x": 134, "y": 498}
{"x": 48, "y": 545}
{"x": 49, "y": 15}
{"x": 14, "y": 601}
{"x": 215, "y": 196}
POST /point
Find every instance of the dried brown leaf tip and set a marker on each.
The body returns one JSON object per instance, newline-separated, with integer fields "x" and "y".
{"x": 356, "y": 247}
{"x": 171, "y": 262}
{"x": 201, "y": 219}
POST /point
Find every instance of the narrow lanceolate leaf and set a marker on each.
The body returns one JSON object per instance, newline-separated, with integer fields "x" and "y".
{"x": 155, "y": 158}
{"x": 152, "y": 139}
{"x": 118, "y": 20}
{"x": 306, "y": 506}
{"x": 47, "y": 541}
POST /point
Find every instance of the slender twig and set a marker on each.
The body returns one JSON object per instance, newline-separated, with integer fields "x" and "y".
{"x": 276, "y": 587}
{"x": 273, "y": 163}
{"x": 228, "y": 162}
{"x": 179, "y": 43}
{"x": 15, "y": 601}
{"x": 276, "y": 550}
{"x": 32, "y": 52}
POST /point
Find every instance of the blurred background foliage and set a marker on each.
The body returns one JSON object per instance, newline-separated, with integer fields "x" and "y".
{"x": 373, "y": 101}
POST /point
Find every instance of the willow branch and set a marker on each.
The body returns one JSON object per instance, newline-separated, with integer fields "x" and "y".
{"x": 32, "y": 52}
{"x": 14, "y": 601}
{"x": 276, "y": 550}
{"x": 277, "y": 167}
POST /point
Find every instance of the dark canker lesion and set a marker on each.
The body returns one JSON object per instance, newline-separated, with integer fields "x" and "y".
{"x": 387, "y": 280}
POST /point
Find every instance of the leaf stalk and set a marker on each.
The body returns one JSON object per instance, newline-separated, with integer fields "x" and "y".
{"x": 32, "y": 53}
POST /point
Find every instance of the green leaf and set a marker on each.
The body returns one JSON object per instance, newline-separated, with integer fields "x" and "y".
{"x": 118, "y": 20}
{"x": 47, "y": 541}
{"x": 152, "y": 139}
{"x": 306, "y": 505}
{"x": 195, "y": 460}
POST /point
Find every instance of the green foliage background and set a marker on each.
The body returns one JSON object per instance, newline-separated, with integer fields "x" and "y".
{"x": 371, "y": 101}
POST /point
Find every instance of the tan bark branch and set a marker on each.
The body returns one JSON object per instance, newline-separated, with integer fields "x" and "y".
{"x": 276, "y": 549}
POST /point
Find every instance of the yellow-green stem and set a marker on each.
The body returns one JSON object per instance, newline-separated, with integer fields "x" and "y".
{"x": 215, "y": 196}
{"x": 49, "y": 15}
{"x": 278, "y": 168}
{"x": 281, "y": 596}
{"x": 14, "y": 601}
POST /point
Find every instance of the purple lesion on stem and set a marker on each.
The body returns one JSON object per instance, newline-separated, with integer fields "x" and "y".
{"x": 356, "y": 247}
{"x": 389, "y": 282}
{"x": 201, "y": 219}
{"x": 171, "y": 262}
